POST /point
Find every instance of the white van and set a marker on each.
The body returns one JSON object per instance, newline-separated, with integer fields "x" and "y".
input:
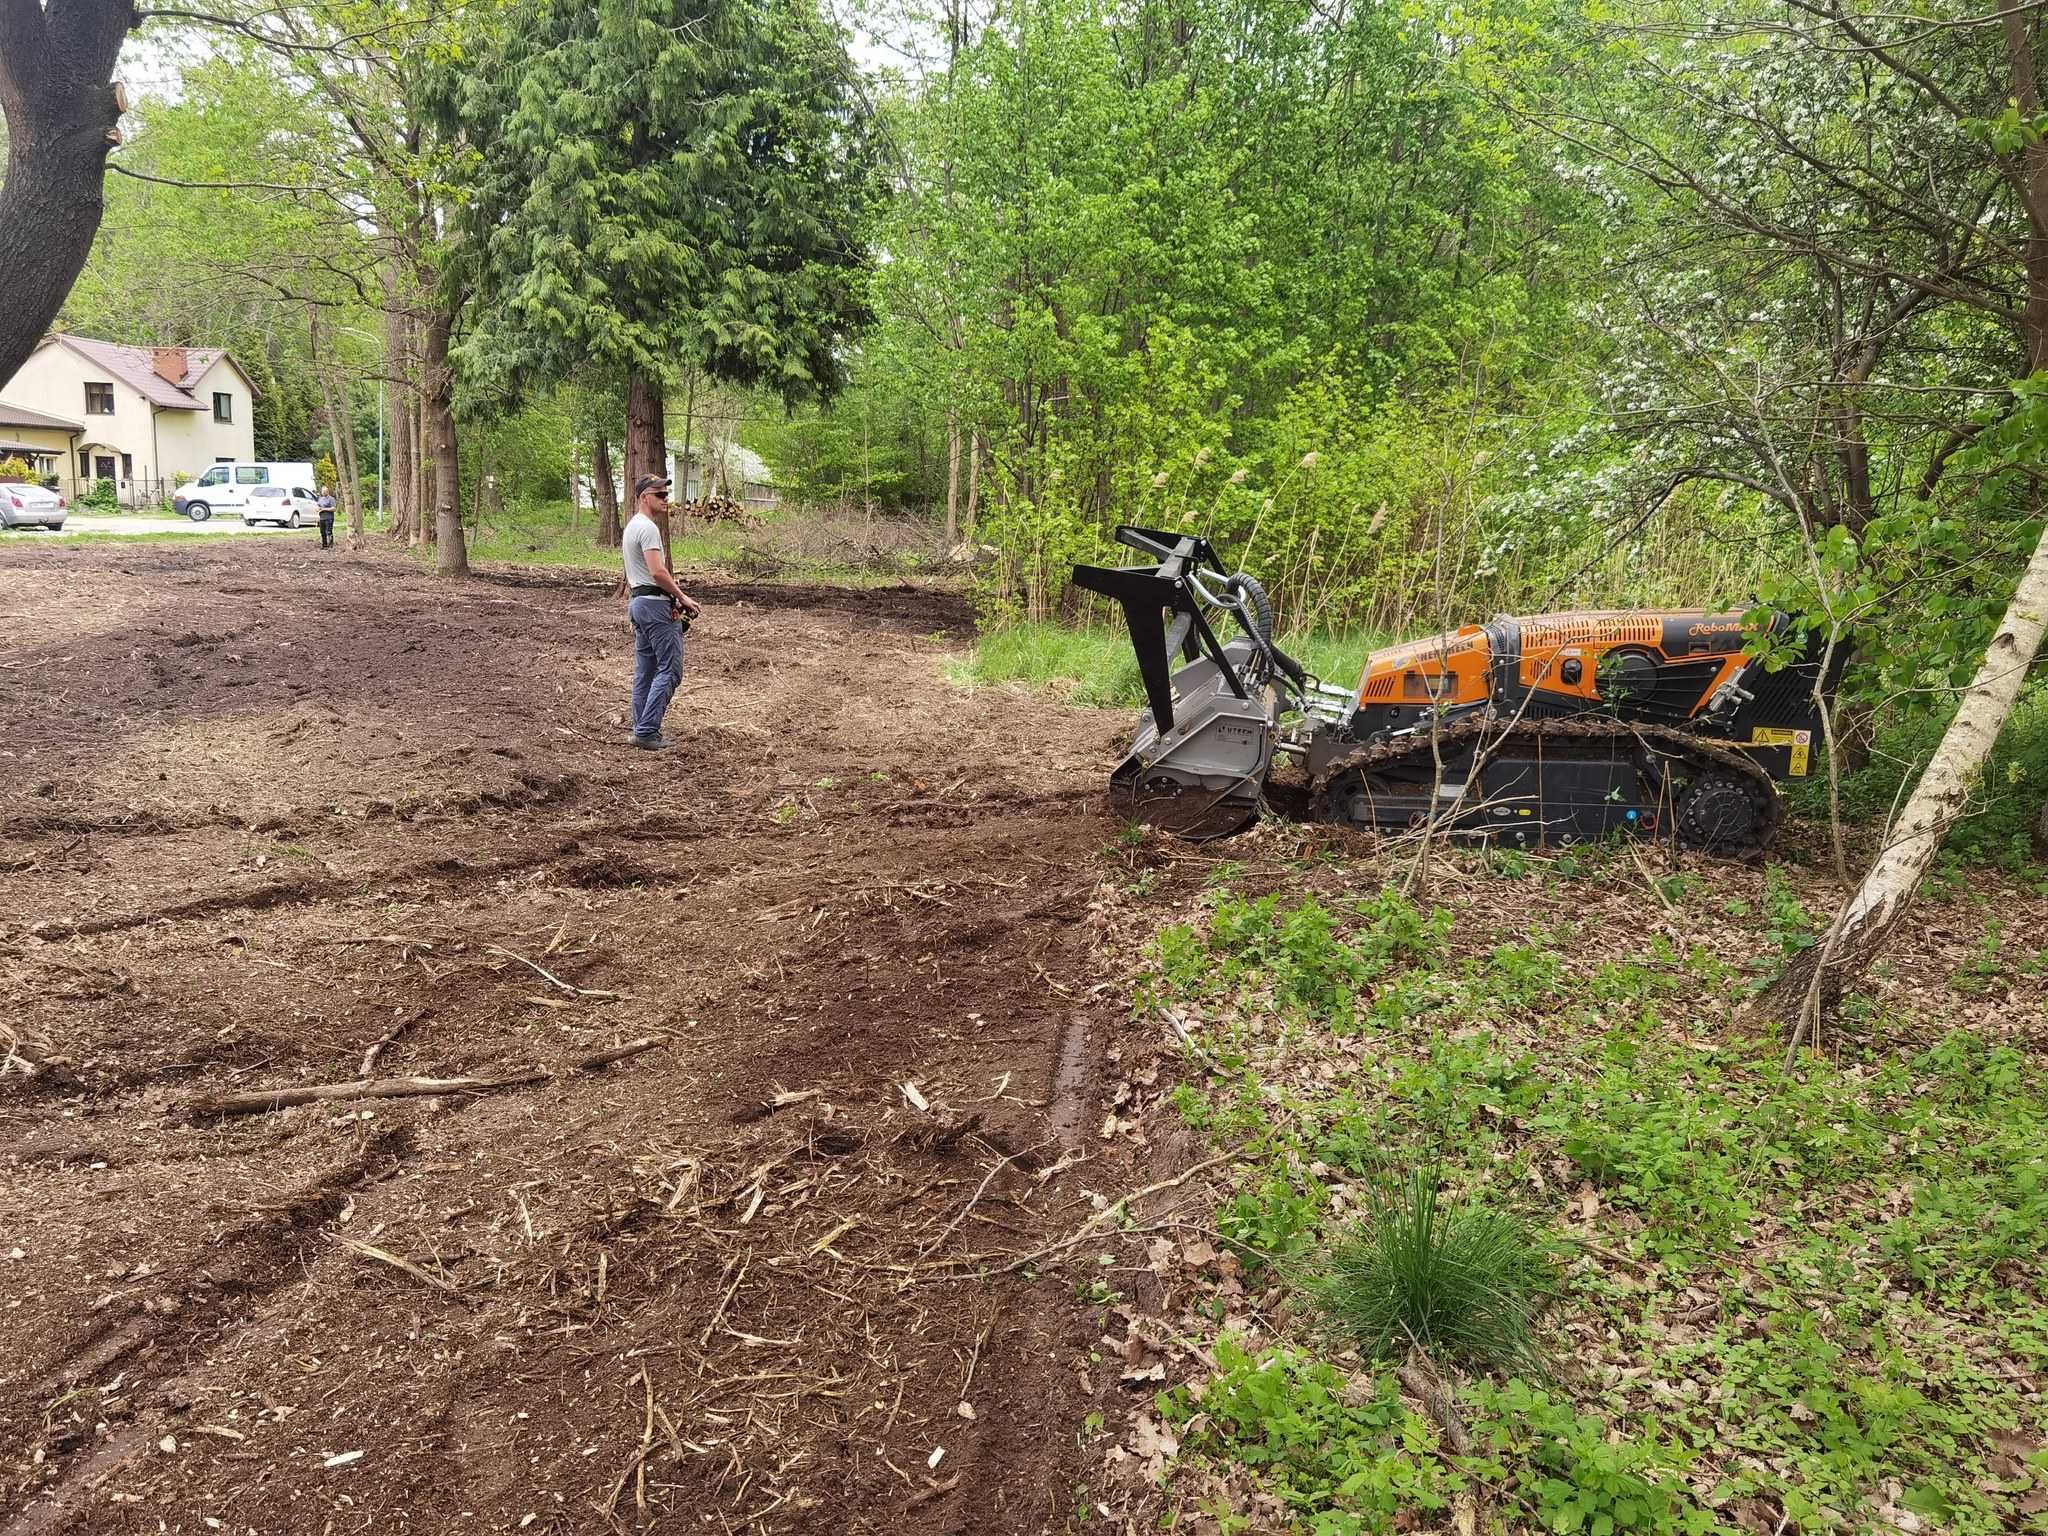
{"x": 226, "y": 487}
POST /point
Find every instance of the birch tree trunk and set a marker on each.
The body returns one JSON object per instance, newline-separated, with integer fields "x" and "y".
{"x": 1814, "y": 983}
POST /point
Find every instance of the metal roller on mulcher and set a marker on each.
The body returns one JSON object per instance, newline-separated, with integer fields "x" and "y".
{"x": 1551, "y": 729}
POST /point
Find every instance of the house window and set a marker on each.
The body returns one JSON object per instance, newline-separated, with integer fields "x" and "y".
{"x": 103, "y": 466}
{"x": 127, "y": 466}
{"x": 223, "y": 407}
{"x": 99, "y": 399}
{"x": 85, "y": 466}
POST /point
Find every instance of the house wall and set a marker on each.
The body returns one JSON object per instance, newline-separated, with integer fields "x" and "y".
{"x": 178, "y": 442}
{"x": 192, "y": 440}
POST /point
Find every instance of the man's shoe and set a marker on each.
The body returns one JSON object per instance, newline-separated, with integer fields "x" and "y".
{"x": 652, "y": 743}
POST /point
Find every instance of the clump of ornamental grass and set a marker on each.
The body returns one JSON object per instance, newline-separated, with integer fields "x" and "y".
{"x": 1459, "y": 1281}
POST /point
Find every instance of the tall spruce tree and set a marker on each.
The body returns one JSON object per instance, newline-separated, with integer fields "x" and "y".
{"x": 652, "y": 181}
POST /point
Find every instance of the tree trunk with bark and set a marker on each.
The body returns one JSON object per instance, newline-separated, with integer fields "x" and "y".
{"x": 646, "y": 434}
{"x": 606, "y": 491}
{"x": 439, "y": 398}
{"x": 974, "y": 452}
{"x": 62, "y": 112}
{"x": 952, "y": 479}
{"x": 1813, "y": 984}
{"x": 422, "y": 465}
{"x": 404, "y": 409}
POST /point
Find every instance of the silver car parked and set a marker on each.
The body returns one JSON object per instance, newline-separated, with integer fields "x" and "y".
{"x": 30, "y": 506}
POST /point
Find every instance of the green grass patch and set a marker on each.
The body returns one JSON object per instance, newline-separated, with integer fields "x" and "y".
{"x": 1097, "y": 665}
{"x": 546, "y": 535}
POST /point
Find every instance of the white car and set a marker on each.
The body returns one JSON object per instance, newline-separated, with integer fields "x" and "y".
{"x": 30, "y": 506}
{"x": 285, "y": 505}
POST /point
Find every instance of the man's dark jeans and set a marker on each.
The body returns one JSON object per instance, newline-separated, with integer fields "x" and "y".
{"x": 657, "y": 663}
{"x": 327, "y": 530}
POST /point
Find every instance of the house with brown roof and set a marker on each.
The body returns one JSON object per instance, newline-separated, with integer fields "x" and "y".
{"x": 142, "y": 415}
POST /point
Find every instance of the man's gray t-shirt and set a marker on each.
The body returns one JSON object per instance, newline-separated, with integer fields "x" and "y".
{"x": 642, "y": 534}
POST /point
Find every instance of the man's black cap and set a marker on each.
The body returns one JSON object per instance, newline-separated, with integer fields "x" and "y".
{"x": 648, "y": 483}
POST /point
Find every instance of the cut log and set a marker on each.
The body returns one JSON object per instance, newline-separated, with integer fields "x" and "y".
{"x": 260, "y": 1100}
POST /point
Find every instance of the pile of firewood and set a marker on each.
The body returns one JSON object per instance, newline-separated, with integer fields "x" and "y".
{"x": 717, "y": 509}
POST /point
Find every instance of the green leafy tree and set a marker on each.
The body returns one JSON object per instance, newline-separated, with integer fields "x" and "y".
{"x": 654, "y": 182}
{"x": 1139, "y": 254}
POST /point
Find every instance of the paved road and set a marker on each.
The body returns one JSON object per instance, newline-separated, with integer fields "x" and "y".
{"x": 90, "y": 522}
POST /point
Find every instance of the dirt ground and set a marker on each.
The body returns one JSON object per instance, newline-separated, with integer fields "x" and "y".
{"x": 279, "y": 819}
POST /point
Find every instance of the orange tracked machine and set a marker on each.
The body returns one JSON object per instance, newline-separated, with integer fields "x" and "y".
{"x": 1526, "y": 730}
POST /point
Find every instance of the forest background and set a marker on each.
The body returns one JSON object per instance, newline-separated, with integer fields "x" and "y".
{"x": 1420, "y": 312}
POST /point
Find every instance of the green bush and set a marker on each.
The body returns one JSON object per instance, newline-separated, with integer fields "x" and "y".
{"x": 102, "y": 497}
{"x": 1459, "y": 1280}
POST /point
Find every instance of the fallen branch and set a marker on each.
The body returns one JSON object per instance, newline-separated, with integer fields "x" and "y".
{"x": 782, "y": 1099}
{"x": 385, "y": 1256}
{"x": 550, "y": 976}
{"x": 1088, "y": 1228}
{"x": 1418, "y": 1377}
{"x": 390, "y": 1036}
{"x": 260, "y": 1100}
{"x": 932, "y": 1492}
{"x": 972, "y": 1200}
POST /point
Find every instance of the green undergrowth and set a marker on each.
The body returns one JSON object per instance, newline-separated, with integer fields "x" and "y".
{"x": 1789, "y": 1300}
{"x": 1997, "y": 825}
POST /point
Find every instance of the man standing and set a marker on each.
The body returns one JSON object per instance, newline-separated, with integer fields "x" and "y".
{"x": 326, "y": 517}
{"x": 656, "y": 606}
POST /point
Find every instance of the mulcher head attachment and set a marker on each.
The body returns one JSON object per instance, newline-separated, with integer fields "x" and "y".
{"x": 1200, "y": 757}
{"x": 1161, "y": 608}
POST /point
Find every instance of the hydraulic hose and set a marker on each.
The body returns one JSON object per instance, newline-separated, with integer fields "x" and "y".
{"x": 1247, "y": 590}
{"x": 1252, "y": 598}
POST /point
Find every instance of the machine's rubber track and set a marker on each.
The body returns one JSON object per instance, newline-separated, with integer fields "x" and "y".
{"x": 1492, "y": 733}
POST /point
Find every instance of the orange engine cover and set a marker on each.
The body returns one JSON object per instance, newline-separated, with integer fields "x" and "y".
{"x": 1560, "y": 655}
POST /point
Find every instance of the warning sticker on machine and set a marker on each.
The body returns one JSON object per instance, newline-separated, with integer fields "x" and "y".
{"x": 1801, "y": 743}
